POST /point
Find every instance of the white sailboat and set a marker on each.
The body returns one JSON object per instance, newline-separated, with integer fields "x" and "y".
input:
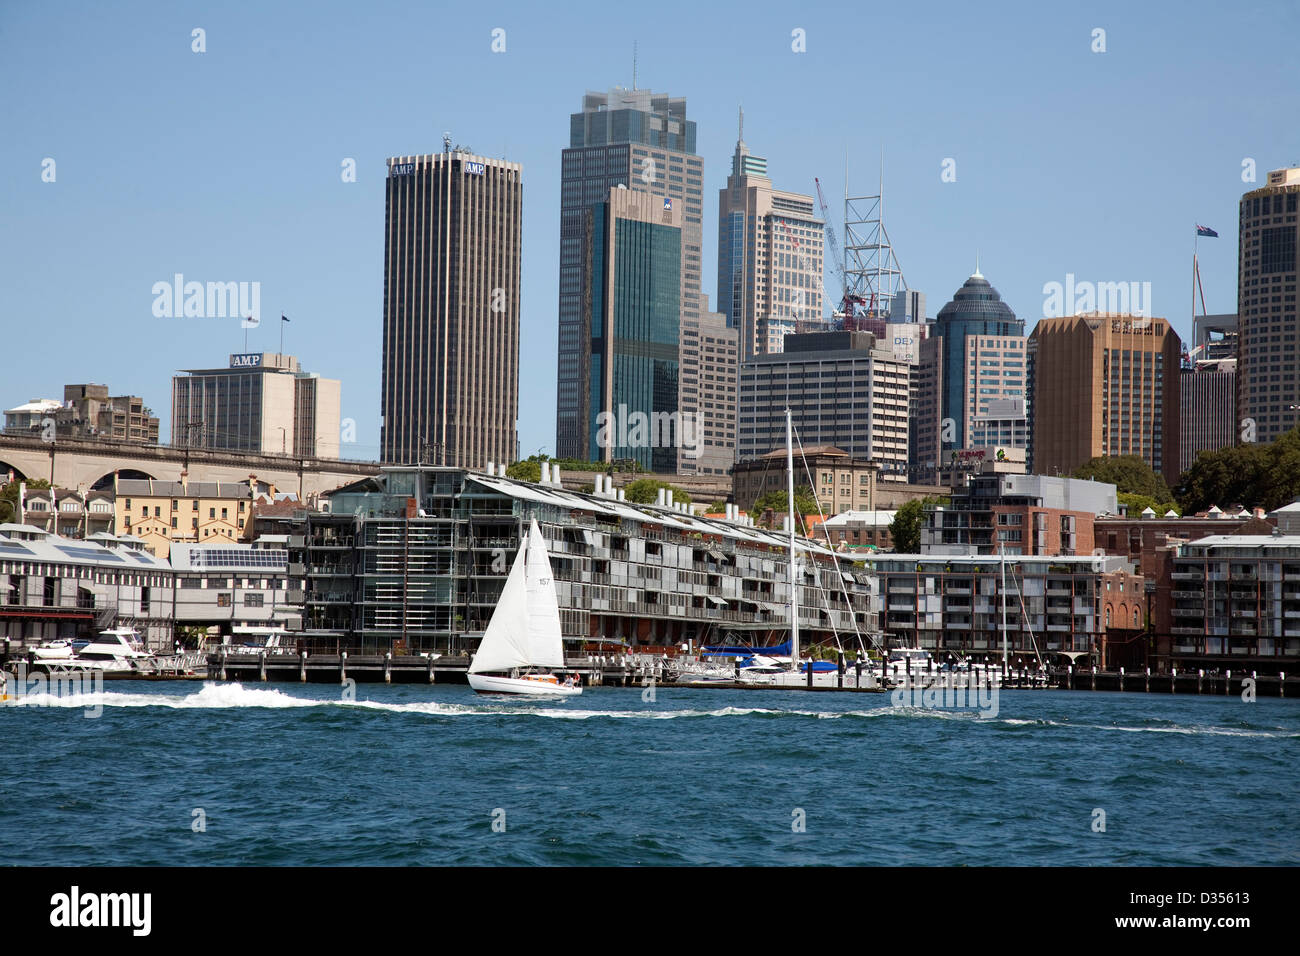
{"x": 522, "y": 643}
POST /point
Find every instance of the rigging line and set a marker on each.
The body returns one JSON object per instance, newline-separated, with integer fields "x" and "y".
{"x": 835, "y": 557}
{"x": 1024, "y": 613}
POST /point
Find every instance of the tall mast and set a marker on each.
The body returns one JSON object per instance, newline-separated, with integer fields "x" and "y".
{"x": 1003, "y": 550}
{"x": 794, "y": 574}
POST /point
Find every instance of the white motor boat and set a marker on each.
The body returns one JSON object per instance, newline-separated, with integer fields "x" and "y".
{"x": 117, "y": 650}
{"x": 522, "y": 644}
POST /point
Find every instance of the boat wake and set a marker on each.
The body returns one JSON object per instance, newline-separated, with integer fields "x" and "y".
{"x": 216, "y": 696}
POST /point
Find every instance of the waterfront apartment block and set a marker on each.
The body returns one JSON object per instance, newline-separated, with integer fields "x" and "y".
{"x": 1105, "y": 384}
{"x": 842, "y": 388}
{"x": 709, "y": 369}
{"x": 160, "y": 513}
{"x": 1236, "y": 603}
{"x": 953, "y": 604}
{"x": 450, "y": 386}
{"x": 632, "y": 362}
{"x": 643, "y": 142}
{"x": 1021, "y": 514}
{"x": 770, "y": 255}
{"x": 842, "y": 483}
{"x": 415, "y": 559}
{"x": 262, "y": 403}
{"x": 87, "y": 411}
{"x": 1268, "y": 263}
{"x": 55, "y": 588}
{"x": 1207, "y": 397}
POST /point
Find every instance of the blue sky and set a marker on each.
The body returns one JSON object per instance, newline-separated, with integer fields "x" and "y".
{"x": 225, "y": 165}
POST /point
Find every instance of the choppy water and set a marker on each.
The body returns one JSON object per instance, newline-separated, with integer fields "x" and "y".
{"x": 291, "y": 774}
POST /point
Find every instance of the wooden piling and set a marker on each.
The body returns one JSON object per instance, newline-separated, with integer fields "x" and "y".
{"x": 388, "y": 667}
{"x": 343, "y": 667}
{"x": 302, "y": 667}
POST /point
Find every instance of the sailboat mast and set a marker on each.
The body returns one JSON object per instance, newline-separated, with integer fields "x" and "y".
{"x": 794, "y": 574}
{"x": 1003, "y": 550}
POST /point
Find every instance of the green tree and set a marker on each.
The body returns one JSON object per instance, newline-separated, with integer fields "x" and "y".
{"x": 9, "y": 497}
{"x": 529, "y": 470}
{"x": 805, "y": 503}
{"x": 1254, "y": 475}
{"x": 1129, "y": 474}
{"x": 1136, "y": 504}
{"x": 905, "y": 529}
{"x": 644, "y": 491}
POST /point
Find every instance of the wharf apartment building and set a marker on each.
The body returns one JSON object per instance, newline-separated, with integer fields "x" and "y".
{"x": 450, "y": 380}
{"x": 1104, "y": 384}
{"x": 643, "y": 142}
{"x": 843, "y": 389}
{"x": 262, "y": 402}
{"x": 410, "y": 560}
{"x": 1268, "y": 336}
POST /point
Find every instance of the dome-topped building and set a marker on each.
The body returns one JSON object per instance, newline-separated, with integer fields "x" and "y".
{"x": 982, "y": 346}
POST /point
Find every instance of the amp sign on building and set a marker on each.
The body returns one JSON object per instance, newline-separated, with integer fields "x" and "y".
{"x": 246, "y": 360}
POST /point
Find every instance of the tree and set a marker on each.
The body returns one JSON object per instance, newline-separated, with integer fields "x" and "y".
{"x": 717, "y": 508}
{"x": 645, "y": 491}
{"x": 905, "y": 529}
{"x": 9, "y": 497}
{"x": 1136, "y": 504}
{"x": 805, "y": 503}
{"x": 1254, "y": 475}
{"x": 1129, "y": 474}
{"x": 530, "y": 470}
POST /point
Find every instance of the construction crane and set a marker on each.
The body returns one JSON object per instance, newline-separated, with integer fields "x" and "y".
{"x": 848, "y": 300}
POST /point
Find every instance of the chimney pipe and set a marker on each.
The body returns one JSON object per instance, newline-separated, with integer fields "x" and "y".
{"x": 555, "y": 475}
{"x": 546, "y": 473}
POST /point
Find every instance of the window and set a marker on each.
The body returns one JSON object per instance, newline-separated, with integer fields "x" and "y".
{"x": 212, "y": 512}
{"x": 223, "y": 600}
{"x": 252, "y": 600}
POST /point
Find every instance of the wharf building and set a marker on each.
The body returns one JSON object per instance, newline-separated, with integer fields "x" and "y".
{"x": 262, "y": 402}
{"x": 643, "y": 142}
{"x": 1268, "y": 262}
{"x": 414, "y": 560}
{"x": 226, "y": 584}
{"x": 449, "y": 390}
{"x": 1019, "y": 514}
{"x": 1104, "y": 384}
{"x": 56, "y": 588}
{"x": 87, "y": 411}
{"x": 843, "y": 389}
{"x": 770, "y": 255}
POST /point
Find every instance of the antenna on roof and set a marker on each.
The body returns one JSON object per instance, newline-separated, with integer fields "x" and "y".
{"x": 634, "y": 64}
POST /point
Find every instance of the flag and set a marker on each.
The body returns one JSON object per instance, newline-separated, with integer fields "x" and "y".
{"x": 251, "y": 322}
{"x": 1206, "y": 231}
{"x": 282, "y": 318}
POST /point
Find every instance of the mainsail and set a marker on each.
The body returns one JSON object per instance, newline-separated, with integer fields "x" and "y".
{"x": 525, "y": 626}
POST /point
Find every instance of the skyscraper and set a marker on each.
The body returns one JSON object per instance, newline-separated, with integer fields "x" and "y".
{"x": 709, "y": 369}
{"x": 1268, "y": 379}
{"x": 1105, "y": 384}
{"x": 971, "y": 367}
{"x": 634, "y": 330}
{"x": 642, "y": 141}
{"x": 1206, "y": 395}
{"x": 450, "y": 388}
{"x": 769, "y": 255}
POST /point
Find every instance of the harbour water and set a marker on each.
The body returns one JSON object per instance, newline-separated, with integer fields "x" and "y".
{"x": 219, "y": 774}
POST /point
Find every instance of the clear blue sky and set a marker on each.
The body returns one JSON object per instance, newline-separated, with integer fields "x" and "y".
{"x": 226, "y": 165}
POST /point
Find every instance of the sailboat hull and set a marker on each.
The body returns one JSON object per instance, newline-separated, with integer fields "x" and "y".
{"x": 538, "y": 686}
